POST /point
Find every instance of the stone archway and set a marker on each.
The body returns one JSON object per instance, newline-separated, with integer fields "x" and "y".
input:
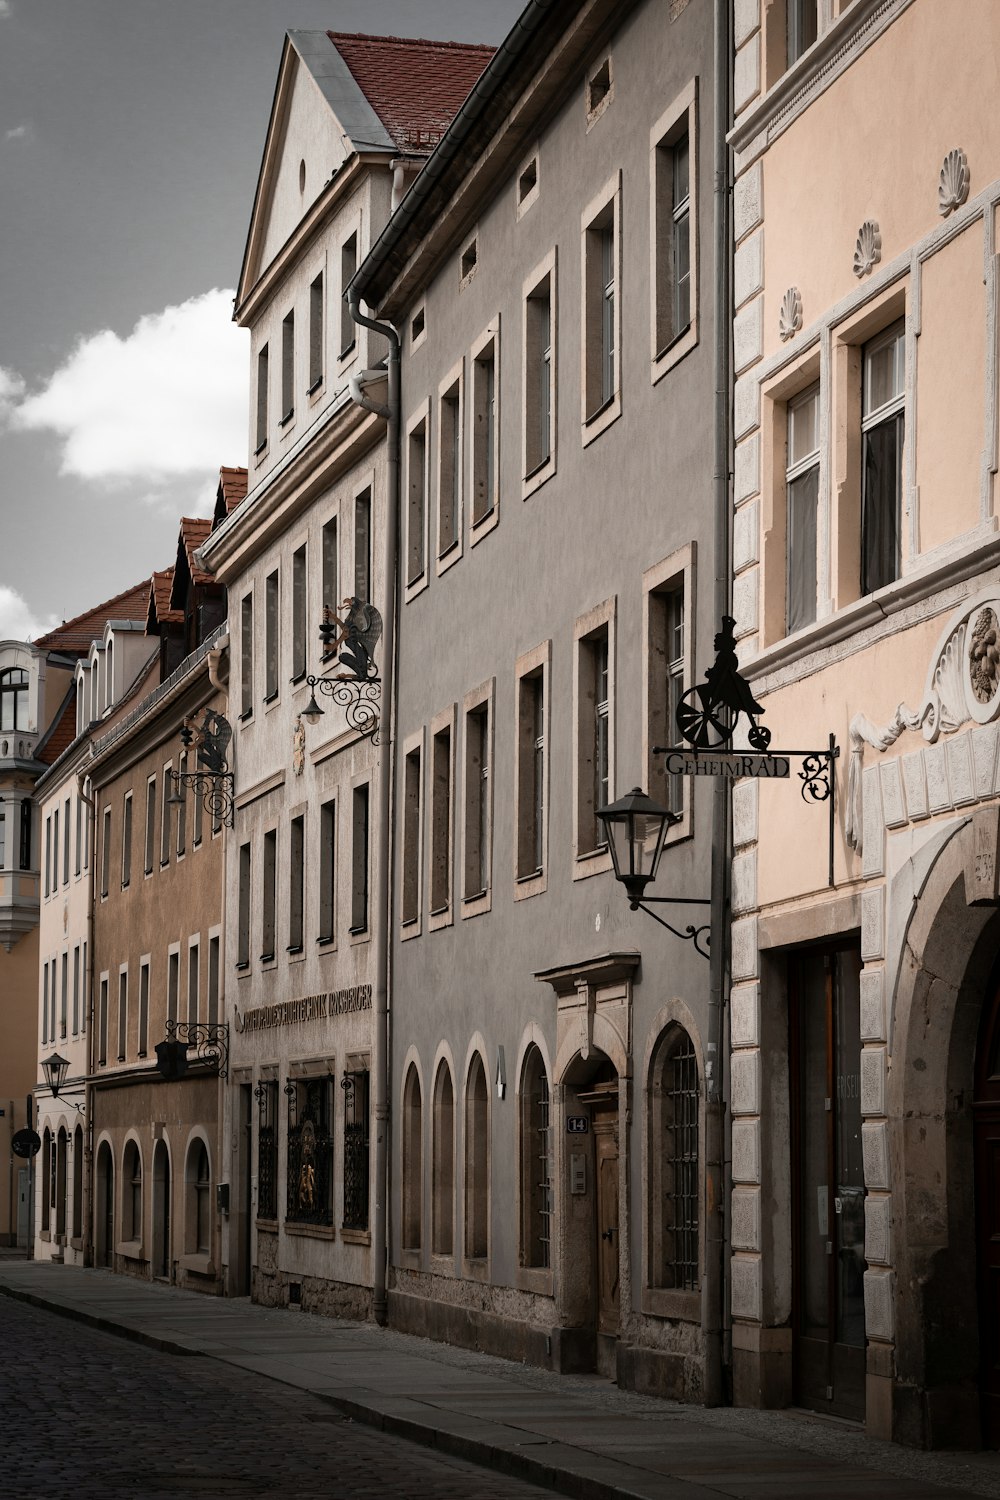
{"x": 948, "y": 951}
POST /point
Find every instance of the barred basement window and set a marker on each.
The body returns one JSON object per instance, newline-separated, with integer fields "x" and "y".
{"x": 267, "y": 1149}
{"x": 674, "y": 1102}
{"x": 357, "y": 1169}
{"x": 310, "y": 1151}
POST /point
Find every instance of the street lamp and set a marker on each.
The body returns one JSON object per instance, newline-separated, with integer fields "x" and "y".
{"x": 55, "y": 1069}
{"x": 636, "y": 827}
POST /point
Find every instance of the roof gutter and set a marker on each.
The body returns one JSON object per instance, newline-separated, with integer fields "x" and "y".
{"x": 487, "y": 86}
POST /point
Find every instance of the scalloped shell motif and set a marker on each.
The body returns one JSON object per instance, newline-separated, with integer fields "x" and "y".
{"x": 953, "y": 182}
{"x": 868, "y": 250}
{"x": 790, "y": 315}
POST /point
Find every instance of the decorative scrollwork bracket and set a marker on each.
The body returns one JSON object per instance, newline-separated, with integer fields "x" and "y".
{"x": 210, "y": 1039}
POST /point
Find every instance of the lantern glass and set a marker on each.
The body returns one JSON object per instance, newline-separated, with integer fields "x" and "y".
{"x": 636, "y": 827}
{"x": 55, "y": 1069}
{"x": 312, "y": 710}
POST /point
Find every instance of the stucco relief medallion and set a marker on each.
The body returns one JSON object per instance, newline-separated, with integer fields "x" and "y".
{"x": 868, "y": 250}
{"x": 984, "y": 656}
{"x": 790, "y": 316}
{"x": 953, "y": 182}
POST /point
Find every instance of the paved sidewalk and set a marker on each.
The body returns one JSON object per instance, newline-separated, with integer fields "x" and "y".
{"x": 579, "y": 1435}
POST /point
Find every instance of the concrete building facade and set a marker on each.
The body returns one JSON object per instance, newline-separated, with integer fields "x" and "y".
{"x": 864, "y": 995}
{"x": 551, "y": 280}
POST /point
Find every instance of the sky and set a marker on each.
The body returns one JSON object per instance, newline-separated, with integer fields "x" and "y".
{"x": 131, "y": 134}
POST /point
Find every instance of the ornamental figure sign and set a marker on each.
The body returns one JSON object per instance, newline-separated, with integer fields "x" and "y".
{"x": 707, "y": 715}
{"x": 213, "y": 780}
{"x": 349, "y": 640}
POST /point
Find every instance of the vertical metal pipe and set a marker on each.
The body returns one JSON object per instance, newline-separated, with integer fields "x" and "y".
{"x": 383, "y": 839}
{"x": 714, "y": 1295}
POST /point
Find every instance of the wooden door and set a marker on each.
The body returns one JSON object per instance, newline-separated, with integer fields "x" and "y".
{"x": 986, "y": 1145}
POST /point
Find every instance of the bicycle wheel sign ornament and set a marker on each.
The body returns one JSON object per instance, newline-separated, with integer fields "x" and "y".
{"x": 707, "y": 714}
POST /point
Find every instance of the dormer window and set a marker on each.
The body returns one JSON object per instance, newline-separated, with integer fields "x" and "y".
{"x": 94, "y": 701}
{"x": 14, "y": 698}
{"x": 109, "y": 675}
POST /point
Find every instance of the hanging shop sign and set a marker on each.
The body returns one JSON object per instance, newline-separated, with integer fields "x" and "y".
{"x": 707, "y": 717}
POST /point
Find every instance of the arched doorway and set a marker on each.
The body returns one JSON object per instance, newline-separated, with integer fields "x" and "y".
{"x": 986, "y": 1151}
{"x": 592, "y": 1114}
{"x": 105, "y": 1208}
{"x": 161, "y": 1211}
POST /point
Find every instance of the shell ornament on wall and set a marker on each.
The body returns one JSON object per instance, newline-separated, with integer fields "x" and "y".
{"x": 868, "y": 250}
{"x": 790, "y": 316}
{"x": 953, "y": 182}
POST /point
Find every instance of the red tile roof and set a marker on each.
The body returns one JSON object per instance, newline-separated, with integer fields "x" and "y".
{"x": 61, "y": 735}
{"x": 74, "y": 636}
{"x": 194, "y": 531}
{"x": 414, "y": 86}
{"x": 233, "y": 484}
{"x": 160, "y": 612}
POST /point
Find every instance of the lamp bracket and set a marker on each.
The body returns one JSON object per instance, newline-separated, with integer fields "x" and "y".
{"x": 699, "y": 936}
{"x": 360, "y": 697}
{"x": 210, "y": 1040}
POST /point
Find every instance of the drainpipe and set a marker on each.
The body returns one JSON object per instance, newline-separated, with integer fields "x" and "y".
{"x": 383, "y": 841}
{"x": 715, "y": 1300}
{"x": 214, "y": 660}
{"x": 88, "y": 1094}
{"x": 398, "y": 168}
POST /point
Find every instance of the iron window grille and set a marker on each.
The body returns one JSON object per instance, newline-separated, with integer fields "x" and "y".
{"x": 266, "y": 1094}
{"x": 544, "y": 1186}
{"x": 680, "y": 1148}
{"x": 310, "y": 1151}
{"x": 357, "y": 1138}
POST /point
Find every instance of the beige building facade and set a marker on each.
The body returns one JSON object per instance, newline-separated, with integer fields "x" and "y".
{"x": 863, "y": 1016}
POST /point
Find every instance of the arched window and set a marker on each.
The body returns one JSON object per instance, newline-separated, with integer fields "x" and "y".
{"x": 132, "y": 1192}
{"x": 412, "y": 1160}
{"x": 62, "y": 1145}
{"x": 443, "y": 1174}
{"x": 673, "y": 1162}
{"x": 78, "y": 1183}
{"x": 537, "y": 1197}
{"x": 104, "y": 1226}
{"x": 14, "y": 698}
{"x": 200, "y": 1203}
{"x": 477, "y": 1162}
{"x": 46, "y": 1177}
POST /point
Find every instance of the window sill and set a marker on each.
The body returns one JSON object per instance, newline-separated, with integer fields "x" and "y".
{"x": 475, "y": 906}
{"x": 268, "y": 958}
{"x": 199, "y": 1264}
{"x": 442, "y": 916}
{"x": 666, "y": 359}
{"x": 450, "y": 556}
{"x": 328, "y": 944}
{"x": 477, "y": 1268}
{"x": 259, "y": 451}
{"x": 594, "y": 862}
{"x": 316, "y": 386}
{"x": 348, "y": 351}
{"x": 359, "y": 934}
{"x": 535, "y": 1279}
{"x": 311, "y": 1231}
{"x": 415, "y": 586}
{"x": 245, "y": 716}
{"x": 355, "y": 1236}
{"x": 299, "y": 677}
{"x": 243, "y": 966}
{"x": 130, "y": 1249}
{"x": 411, "y": 928}
{"x": 530, "y": 885}
{"x": 270, "y": 698}
{"x": 538, "y": 476}
{"x": 266, "y": 1226}
{"x": 484, "y": 525}
{"x": 667, "y": 1302}
{"x": 288, "y": 417}
{"x": 598, "y": 421}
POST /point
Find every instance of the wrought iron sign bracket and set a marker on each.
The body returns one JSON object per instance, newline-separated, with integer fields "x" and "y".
{"x": 701, "y": 937}
{"x": 209, "y": 1038}
{"x": 360, "y": 697}
{"x": 213, "y": 782}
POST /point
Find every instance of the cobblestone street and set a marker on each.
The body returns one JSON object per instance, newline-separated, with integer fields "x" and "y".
{"x": 88, "y": 1415}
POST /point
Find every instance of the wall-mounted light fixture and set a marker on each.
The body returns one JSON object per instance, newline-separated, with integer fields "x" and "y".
{"x": 350, "y": 642}
{"x": 213, "y": 780}
{"x": 54, "y": 1070}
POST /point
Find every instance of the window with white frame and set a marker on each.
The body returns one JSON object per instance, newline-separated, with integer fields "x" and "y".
{"x": 214, "y": 945}
{"x": 601, "y": 241}
{"x": 122, "y": 1013}
{"x": 477, "y": 840}
{"x": 801, "y": 27}
{"x": 539, "y": 374}
{"x": 270, "y": 895}
{"x": 348, "y": 266}
{"x": 194, "y": 981}
{"x": 537, "y": 1174}
{"x": 64, "y": 996}
{"x": 143, "y": 1035}
{"x": 13, "y": 699}
{"x": 359, "y": 859}
{"x": 416, "y": 505}
{"x": 412, "y": 782}
{"x": 441, "y": 820}
{"x": 102, "y": 1021}
{"x": 271, "y": 637}
{"x": 593, "y": 736}
{"x": 299, "y": 613}
{"x": 165, "y": 818}
{"x": 330, "y": 566}
{"x": 76, "y": 990}
{"x": 531, "y": 771}
{"x": 296, "y": 882}
{"x": 485, "y": 429}
{"x": 180, "y": 790}
{"x": 127, "y": 841}
{"x": 246, "y": 656}
{"x": 173, "y": 983}
{"x": 316, "y": 321}
{"x": 287, "y": 368}
{"x": 148, "y": 855}
{"x": 262, "y": 379}
{"x": 363, "y": 546}
{"x": 106, "y": 852}
{"x": 450, "y": 467}
{"x": 65, "y": 852}
{"x": 801, "y": 501}
{"x": 327, "y": 872}
{"x": 673, "y": 192}
{"x": 243, "y": 909}
{"x": 883, "y": 393}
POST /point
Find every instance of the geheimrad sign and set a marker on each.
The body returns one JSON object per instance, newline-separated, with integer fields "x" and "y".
{"x": 729, "y": 763}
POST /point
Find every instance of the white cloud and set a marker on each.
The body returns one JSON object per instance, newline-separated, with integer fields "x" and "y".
{"x": 168, "y": 401}
{"x": 18, "y": 132}
{"x": 17, "y": 621}
{"x": 5, "y": 9}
